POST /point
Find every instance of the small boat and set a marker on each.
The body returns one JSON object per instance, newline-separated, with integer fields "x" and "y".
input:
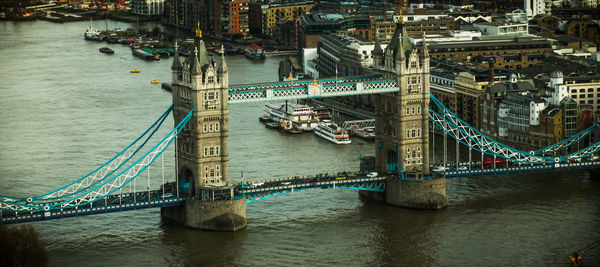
{"x": 167, "y": 86}
{"x": 135, "y": 70}
{"x": 287, "y": 127}
{"x": 92, "y": 34}
{"x": 364, "y": 133}
{"x": 333, "y": 133}
{"x": 106, "y": 50}
{"x": 272, "y": 125}
{"x": 255, "y": 51}
{"x": 264, "y": 118}
{"x": 154, "y": 82}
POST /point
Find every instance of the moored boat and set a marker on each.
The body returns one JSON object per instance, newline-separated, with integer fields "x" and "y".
{"x": 255, "y": 51}
{"x": 92, "y": 33}
{"x": 287, "y": 127}
{"x": 333, "y": 133}
{"x": 265, "y": 118}
{"x": 364, "y": 133}
{"x": 106, "y": 50}
{"x": 301, "y": 116}
{"x": 143, "y": 54}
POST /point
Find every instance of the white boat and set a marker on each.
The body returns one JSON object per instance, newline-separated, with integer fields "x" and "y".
{"x": 301, "y": 116}
{"x": 365, "y": 133}
{"x": 331, "y": 132}
{"x": 92, "y": 33}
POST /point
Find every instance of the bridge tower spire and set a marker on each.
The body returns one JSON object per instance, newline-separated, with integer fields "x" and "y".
{"x": 202, "y": 147}
{"x": 402, "y": 132}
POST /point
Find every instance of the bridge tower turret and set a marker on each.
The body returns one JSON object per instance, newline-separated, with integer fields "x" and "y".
{"x": 202, "y": 158}
{"x": 402, "y": 133}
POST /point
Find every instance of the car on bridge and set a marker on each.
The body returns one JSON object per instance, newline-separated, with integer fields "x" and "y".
{"x": 372, "y": 174}
{"x": 439, "y": 169}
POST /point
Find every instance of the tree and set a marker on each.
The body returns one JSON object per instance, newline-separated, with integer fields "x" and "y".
{"x": 21, "y": 246}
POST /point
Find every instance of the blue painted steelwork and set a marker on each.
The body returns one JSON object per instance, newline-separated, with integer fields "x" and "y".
{"x": 546, "y": 167}
{"x": 296, "y": 83}
{"x": 491, "y": 146}
{"x": 567, "y": 142}
{"x": 107, "y": 187}
{"x": 123, "y": 202}
{"x": 347, "y": 180}
{"x": 152, "y": 127}
{"x": 311, "y": 89}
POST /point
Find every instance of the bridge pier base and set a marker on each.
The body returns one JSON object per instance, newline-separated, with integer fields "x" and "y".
{"x": 371, "y": 195}
{"x": 218, "y": 215}
{"x": 425, "y": 194}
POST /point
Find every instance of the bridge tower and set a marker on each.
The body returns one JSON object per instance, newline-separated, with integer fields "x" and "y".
{"x": 402, "y": 132}
{"x": 202, "y": 159}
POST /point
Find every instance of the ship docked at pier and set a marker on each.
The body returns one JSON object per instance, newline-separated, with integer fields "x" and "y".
{"x": 333, "y": 133}
{"x": 302, "y": 117}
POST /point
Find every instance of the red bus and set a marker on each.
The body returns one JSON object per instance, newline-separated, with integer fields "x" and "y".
{"x": 489, "y": 163}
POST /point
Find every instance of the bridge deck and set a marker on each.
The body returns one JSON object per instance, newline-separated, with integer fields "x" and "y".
{"x": 113, "y": 203}
{"x": 522, "y": 169}
{"x": 258, "y": 190}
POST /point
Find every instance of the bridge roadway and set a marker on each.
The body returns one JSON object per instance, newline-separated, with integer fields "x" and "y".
{"x": 258, "y": 190}
{"x": 254, "y": 191}
{"x": 546, "y": 167}
{"x": 311, "y": 88}
{"x": 112, "y": 203}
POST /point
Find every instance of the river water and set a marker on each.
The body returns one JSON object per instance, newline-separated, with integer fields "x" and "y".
{"x": 65, "y": 108}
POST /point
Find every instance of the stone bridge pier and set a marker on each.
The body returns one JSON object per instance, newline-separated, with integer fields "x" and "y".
{"x": 201, "y": 149}
{"x": 402, "y": 126}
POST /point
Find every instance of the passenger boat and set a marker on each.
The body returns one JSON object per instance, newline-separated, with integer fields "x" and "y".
{"x": 92, "y": 33}
{"x": 106, "y": 50}
{"x": 154, "y": 82}
{"x": 255, "y": 51}
{"x": 333, "y": 133}
{"x": 301, "y": 116}
{"x": 135, "y": 70}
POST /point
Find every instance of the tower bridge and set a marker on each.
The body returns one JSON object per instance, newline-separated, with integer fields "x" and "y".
{"x": 202, "y": 195}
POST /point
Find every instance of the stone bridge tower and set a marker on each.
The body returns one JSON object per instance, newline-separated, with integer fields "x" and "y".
{"x": 402, "y": 132}
{"x": 202, "y": 157}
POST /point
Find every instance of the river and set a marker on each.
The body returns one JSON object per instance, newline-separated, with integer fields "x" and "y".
{"x": 65, "y": 108}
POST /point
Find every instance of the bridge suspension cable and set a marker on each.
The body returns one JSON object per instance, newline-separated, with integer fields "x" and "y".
{"x": 109, "y": 167}
{"x": 463, "y": 132}
{"x": 100, "y": 173}
{"x": 482, "y": 142}
{"x": 107, "y": 186}
{"x": 567, "y": 142}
